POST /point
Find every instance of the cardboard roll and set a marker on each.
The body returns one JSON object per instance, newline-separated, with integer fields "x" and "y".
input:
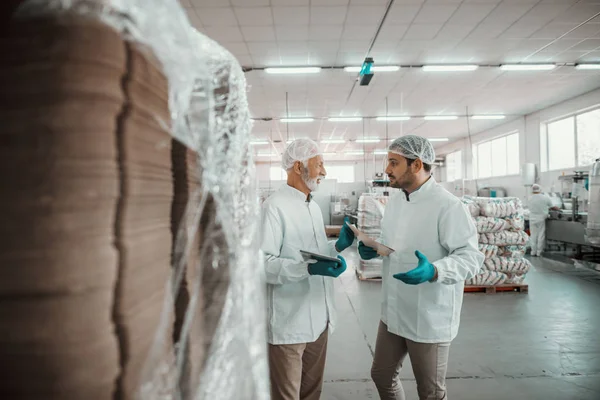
{"x": 137, "y": 285}
{"x": 56, "y": 320}
{"x": 61, "y": 269}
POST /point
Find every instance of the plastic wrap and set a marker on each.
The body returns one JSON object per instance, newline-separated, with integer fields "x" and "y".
{"x": 370, "y": 212}
{"x": 209, "y": 115}
{"x": 505, "y": 264}
{"x": 472, "y": 206}
{"x": 504, "y": 238}
{"x": 515, "y": 278}
{"x": 494, "y": 224}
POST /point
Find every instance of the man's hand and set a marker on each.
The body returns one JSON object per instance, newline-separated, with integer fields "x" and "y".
{"x": 366, "y": 252}
{"x": 425, "y": 272}
{"x": 346, "y": 237}
{"x": 328, "y": 268}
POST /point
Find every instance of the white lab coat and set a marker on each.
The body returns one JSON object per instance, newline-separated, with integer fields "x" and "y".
{"x": 439, "y": 225}
{"x": 539, "y": 205}
{"x": 300, "y": 305}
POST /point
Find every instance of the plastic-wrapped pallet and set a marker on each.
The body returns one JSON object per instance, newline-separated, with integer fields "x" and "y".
{"x": 502, "y": 240}
{"x": 371, "y": 208}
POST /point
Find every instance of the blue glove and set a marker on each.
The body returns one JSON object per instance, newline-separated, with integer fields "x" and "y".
{"x": 587, "y": 184}
{"x": 346, "y": 237}
{"x": 424, "y": 272}
{"x": 328, "y": 268}
{"x": 366, "y": 252}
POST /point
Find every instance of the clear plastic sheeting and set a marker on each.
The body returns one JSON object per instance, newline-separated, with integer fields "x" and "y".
{"x": 209, "y": 115}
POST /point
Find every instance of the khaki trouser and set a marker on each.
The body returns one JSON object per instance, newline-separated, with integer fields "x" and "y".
{"x": 297, "y": 369}
{"x": 429, "y": 362}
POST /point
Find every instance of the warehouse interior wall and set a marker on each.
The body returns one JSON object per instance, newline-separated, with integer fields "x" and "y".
{"x": 529, "y": 128}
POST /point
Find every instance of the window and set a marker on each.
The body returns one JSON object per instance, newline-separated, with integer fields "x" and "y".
{"x": 497, "y": 157}
{"x": 276, "y": 173}
{"x": 588, "y": 137}
{"x": 454, "y": 166}
{"x": 571, "y": 142}
{"x": 343, "y": 173}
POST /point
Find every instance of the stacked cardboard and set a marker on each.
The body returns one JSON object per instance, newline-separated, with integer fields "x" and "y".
{"x": 86, "y": 169}
{"x": 502, "y": 240}
{"x": 61, "y": 185}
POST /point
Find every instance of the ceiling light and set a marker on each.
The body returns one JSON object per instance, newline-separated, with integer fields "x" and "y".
{"x": 354, "y": 153}
{"x": 527, "y": 67}
{"x": 293, "y": 70}
{"x": 379, "y": 68}
{"x": 297, "y": 119}
{"x": 380, "y": 152}
{"x": 345, "y": 119}
{"x": 438, "y": 139}
{"x": 488, "y": 117}
{"x": 258, "y": 142}
{"x": 266, "y": 154}
{"x": 368, "y": 140}
{"x": 392, "y": 118}
{"x": 333, "y": 141}
{"x": 441, "y": 118}
{"x": 329, "y": 154}
{"x": 449, "y": 68}
{"x": 587, "y": 66}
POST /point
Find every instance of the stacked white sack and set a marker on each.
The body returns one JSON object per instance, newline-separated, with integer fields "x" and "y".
{"x": 370, "y": 212}
{"x": 502, "y": 239}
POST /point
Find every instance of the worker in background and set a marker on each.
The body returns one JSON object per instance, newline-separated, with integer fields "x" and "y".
{"x": 300, "y": 297}
{"x": 539, "y": 206}
{"x": 435, "y": 243}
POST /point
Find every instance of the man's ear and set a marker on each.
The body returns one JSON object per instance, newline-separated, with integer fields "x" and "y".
{"x": 298, "y": 167}
{"x": 417, "y": 165}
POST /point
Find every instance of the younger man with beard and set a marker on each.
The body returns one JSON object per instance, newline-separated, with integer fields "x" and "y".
{"x": 431, "y": 229}
{"x": 299, "y": 295}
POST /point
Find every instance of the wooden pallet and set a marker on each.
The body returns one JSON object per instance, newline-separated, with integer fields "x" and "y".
{"x": 497, "y": 289}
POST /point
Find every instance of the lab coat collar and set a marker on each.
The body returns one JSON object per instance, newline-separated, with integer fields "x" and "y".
{"x": 422, "y": 192}
{"x": 297, "y": 193}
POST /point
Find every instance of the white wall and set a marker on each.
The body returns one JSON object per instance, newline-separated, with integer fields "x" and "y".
{"x": 529, "y": 128}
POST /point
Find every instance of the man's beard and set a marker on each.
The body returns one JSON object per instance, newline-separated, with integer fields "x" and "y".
{"x": 406, "y": 180}
{"x": 311, "y": 183}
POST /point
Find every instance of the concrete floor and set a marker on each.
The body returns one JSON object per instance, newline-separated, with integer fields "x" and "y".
{"x": 543, "y": 345}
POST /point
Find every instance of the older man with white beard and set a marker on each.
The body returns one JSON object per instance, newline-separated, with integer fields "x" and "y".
{"x": 299, "y": 294}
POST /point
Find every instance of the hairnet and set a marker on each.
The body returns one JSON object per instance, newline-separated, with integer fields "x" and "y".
{"x": 413, "y": 147}
{"x": 536, "y": 188}
{"x": 299, "y": 150}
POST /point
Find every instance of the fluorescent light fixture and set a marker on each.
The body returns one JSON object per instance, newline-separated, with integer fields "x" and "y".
{"x": 441, "y": 117}
{"x": 488, "y": 117}
{"x": 266, "y": 154}
{"x": 449, "y": 68}
{"x": 330, "y": 153}
{"x": 293, "y": 70}
{"x": 392, "y": 118}
{"x": 375, "y": 68}
{"x": 345, "y": 119}
{"x": 354, "y": 153}
{"x": 527, "y": 67}
{"x": 587, "y": 66}
{"x": 368, "y": 140}
{"x": 297, "y": 119}
{"x": 333, "y": 141}
{"x": 444, "y": 139}
{"x": 380, "y": 152}
{"x": 258, "y": 142}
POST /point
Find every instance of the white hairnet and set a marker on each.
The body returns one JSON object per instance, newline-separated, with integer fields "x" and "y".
{"x": 299, "y": 150}
{"x": 536, "y": 188}
{"x": 413, "y": 147}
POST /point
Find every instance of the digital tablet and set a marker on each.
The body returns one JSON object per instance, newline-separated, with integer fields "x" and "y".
{"x": 308, "y": 255}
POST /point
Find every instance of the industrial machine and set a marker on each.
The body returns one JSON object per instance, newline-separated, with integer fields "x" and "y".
{"x": 593, "y": 220}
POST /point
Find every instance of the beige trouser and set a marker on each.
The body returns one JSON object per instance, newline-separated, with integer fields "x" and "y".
{"x": 297, "y": 369}
{"x": 429, "y": 362}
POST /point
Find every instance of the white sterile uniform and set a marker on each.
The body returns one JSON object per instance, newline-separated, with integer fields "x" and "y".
{"x": 436, "y": 223}
{"x": 539, "y": 206}
{"x": 300, "y": 305}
